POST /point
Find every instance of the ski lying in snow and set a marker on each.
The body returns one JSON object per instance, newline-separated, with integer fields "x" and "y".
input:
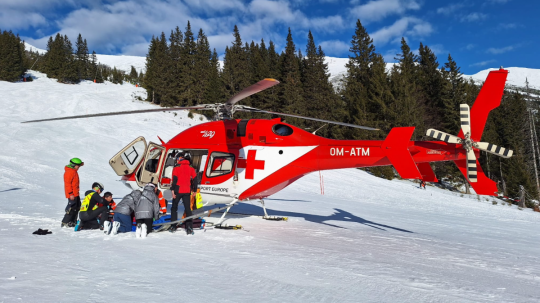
{"x": 207, "y": 212}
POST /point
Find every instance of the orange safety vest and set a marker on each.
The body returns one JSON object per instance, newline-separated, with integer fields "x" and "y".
{"x": 162, "y": 203}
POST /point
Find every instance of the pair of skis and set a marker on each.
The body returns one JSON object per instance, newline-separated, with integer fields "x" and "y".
{"x": 165, "y": 225}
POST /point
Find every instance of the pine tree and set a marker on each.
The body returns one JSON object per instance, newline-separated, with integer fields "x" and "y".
{"x": 290, "y": 98}
{"x": 187, "y": 91}
{"x": 214, "y": 89}
{"x": 429, "y": 81}
{"x": 11, "y": 57}
{"x": 236, "y": 73}
{"x": 357, "y": 79}
{"x": 404, "y": 89}
{"x": 453, "y": 94}
{"x": 68, "y": 72}
{"x": 380, "y": 99}
{"x": 82, "y": 58}
{"x": 318, "y": 93}
{"x": 133, "y": 75}
{"x": 202, "y": 67}
{"x": 175, "y": 75}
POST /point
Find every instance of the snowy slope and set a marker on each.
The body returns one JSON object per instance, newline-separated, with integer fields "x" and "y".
{"x": 120, "y": 62}
{"x": 516, "y": 76}
{"x": 366, "y": 240}
{"x": 124, "y": 62}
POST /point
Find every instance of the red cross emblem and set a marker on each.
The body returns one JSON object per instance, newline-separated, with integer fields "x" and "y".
{"x": 250, "y": 164}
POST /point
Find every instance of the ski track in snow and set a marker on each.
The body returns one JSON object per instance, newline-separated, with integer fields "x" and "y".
{"x": 366, "y": 240}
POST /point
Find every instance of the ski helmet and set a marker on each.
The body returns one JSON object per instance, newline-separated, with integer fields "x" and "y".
{"x": 76, "y": 161}
{"x": 187, "y": 156}
{"x": 98, "y": 185}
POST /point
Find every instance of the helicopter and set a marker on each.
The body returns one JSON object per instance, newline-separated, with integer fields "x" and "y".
{"x": 238, "y": 160}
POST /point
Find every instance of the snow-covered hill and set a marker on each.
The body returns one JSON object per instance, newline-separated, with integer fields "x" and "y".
{"x": 365, "y": 240}
{"x": 120, "y": 62}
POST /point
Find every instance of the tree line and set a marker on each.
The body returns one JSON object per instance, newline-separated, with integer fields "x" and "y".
{"x": 67, "y": 63}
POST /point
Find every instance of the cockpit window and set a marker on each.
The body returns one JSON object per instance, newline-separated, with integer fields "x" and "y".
{"x": 220, "y": 164}
{"x": 282, "y": 130}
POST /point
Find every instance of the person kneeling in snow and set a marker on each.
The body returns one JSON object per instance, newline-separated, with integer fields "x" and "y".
{"x": 122, "y": 213}
{"x": 146, "y": 210}
{"x": 90, "y": 211}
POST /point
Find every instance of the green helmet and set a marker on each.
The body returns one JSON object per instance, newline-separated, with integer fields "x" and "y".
{"x": 76, "y": 161}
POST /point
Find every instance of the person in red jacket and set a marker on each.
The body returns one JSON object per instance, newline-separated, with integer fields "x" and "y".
{"x": 71, "y": 188}
{"x": 182, "y": 175}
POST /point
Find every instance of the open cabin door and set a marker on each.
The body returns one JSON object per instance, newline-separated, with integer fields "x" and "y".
{"x": 198, "y": 161}
{"x": 128, "y": 159}
{"x": 151, "y": 168}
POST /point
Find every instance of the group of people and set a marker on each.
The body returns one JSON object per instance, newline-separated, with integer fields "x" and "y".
{"x": 144, "y": 206}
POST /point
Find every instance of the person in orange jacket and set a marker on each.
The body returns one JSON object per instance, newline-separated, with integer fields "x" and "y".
{"x": 71, "y": 188}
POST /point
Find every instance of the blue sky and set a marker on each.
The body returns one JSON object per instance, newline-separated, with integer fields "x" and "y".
{"x": 478, "y": 34}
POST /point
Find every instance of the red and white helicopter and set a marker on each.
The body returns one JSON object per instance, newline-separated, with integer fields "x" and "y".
{"x": 239, "y": 160}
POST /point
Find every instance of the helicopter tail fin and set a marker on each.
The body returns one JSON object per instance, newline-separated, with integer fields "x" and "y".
{"x": 395, "y": 147}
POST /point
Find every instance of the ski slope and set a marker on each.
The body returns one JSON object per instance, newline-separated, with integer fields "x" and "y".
{"x": 365, "y": 240}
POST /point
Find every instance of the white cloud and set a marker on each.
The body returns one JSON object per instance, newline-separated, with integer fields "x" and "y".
{"x": 472, "y": 17}
{"x": 212, "y": 6}
{"x": 14, "y": 19}
{"x": 438, "y": 49}
{"x": 328, "y": 24}
{"x": 501, "y": 50}
{"x": 335, "y": 46}
{"x": 482, "y": 63}
{"x": 447, "y": 10}
{"x": 470, "y": 46}
{"x": 507, "y": 26}
{"x": 404, "y": 26}
{"x": 376, "y": 10}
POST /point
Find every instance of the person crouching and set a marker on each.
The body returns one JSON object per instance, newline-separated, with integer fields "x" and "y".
{"x": 146, "y": 210}
{"x": 122, "y": 213}
{"x": 90, "y": 211}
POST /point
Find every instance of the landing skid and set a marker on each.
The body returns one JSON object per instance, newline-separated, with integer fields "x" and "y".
{"x": 271, "y": 218}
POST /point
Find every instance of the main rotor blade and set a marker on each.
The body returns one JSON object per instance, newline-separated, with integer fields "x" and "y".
{"x": 471, "y": 166}
{"x": 465, "y": 117}
{"x": 255, "y": 88}
{"x": 162, "y": 109}
{"x": 439, "y": 135}
{"x": 494, "y": 149}
{"x": 256, "y": 110}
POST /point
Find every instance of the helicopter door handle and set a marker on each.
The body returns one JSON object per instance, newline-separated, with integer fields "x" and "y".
{"x": 207, "y": 182}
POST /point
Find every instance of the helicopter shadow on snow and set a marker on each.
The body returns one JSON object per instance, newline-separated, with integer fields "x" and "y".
{"x": 338, "y": 215}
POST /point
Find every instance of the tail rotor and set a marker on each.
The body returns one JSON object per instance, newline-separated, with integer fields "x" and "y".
{"x": 468, "y": 143}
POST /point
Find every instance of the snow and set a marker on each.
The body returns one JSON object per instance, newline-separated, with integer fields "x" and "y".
{"x": 123, "y": 62}
{"x": 120, "y": 62}
{"x": 516, "y": 76}
{"x": 366, "y": 240}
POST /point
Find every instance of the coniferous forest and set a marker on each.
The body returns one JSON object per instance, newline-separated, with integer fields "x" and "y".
{"x": 418, "y": 90}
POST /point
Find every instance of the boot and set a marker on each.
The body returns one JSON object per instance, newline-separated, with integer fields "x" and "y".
{"x": 173, "y": 228}
{"x": 78, "y": 226}
{"x": 107, "y": 227}
{"x": 115, "y": 227}
{"x": 144, "y": 231}
{"x": 138, "y": 231}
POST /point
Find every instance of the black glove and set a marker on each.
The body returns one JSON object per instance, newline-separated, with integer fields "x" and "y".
{"x": 42, "y": 232}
